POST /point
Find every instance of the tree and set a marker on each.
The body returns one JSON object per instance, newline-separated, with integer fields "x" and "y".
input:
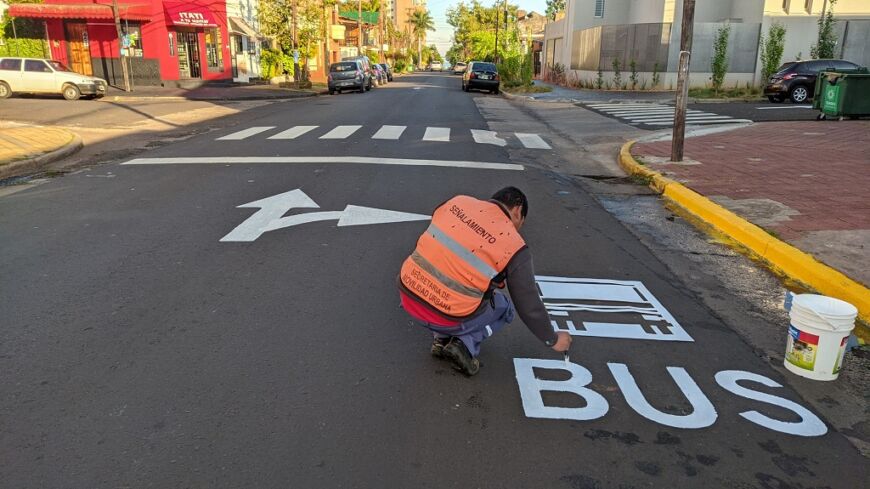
{"x": 772, "y": 47}
{"x": 554, "y": 7}
{"x": 824, "y": 48}
{"x": 719, "y": 63}
{"x": 422, "y": 21}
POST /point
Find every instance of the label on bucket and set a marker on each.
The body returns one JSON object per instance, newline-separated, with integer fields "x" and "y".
{"x": 801, "y": 349}
{"x": 839, "y": 363}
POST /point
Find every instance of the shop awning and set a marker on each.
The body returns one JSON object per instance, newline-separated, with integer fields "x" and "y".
{"x": 79, "y": 11}
{"x": 239, "y": 27}
{"x": 188, "y": 15}
{"x": 367, "y": 17}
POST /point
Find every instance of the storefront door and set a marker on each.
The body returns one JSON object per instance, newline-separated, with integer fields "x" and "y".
{"x": 188, "y": 54}
{"x": 79, "y": 54}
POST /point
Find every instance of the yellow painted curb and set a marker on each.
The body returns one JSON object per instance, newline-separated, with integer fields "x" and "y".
{"x": 779, "y": 255}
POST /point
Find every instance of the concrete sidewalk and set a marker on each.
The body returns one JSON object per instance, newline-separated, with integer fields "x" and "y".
{"x": 805, "y": 183}
{"x": 23, "y": 148}
{"x": 210, "y": 92}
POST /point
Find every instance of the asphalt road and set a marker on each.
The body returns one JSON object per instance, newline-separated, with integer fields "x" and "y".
{"x": 140, "y": 350}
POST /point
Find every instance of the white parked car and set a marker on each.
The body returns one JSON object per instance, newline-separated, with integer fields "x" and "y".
{"x": 35, "y": 75}
{"x": 435, "y": 66}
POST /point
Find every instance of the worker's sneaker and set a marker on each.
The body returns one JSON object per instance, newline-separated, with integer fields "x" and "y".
{"x": 438, "y": 347}
{"x": 462, "y": 360}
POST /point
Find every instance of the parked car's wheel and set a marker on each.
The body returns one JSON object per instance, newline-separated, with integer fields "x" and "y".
{"x": 774, "y": 99}
{"x": 799, "y": 94}
{"x": 5, "y": 91}
{"x": 71, "y": 92}
{"x": 496, "y": 91}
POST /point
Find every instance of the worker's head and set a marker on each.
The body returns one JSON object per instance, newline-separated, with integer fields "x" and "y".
{"x": 515, "y": 202}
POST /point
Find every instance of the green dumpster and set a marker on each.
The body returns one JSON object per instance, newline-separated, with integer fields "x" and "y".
{"x": 839, "y": 95}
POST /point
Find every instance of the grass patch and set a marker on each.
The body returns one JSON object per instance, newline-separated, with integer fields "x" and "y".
{"x": 527, "y": 89}
{"x": 734, "y": 92}
{"x": 639, "y": 179}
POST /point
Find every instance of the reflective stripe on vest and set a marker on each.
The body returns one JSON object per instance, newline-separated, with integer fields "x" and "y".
{"x": 468, "y": 243}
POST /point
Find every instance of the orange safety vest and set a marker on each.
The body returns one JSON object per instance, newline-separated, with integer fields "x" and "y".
{"x": 468, "y": 244}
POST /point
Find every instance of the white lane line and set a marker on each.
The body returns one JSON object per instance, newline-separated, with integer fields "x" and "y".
{"x": 244, "y": 133}
{"x": 389, "y": 132}
{"x": 532, "y": 141}
{"x": 293, "y": 133}
{"x": 291, "y": 160}
{"x": 786, "y": 107}
{"x": 340, "y": 132}
{"x": 437, "y": 134}
{"x": 716, "y": 121}
{"x": 487, "y": 137}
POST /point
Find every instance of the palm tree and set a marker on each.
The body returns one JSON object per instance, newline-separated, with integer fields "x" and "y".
{"x": 422, "y": 22}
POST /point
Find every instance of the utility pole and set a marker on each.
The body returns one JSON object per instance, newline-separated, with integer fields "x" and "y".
{"x": 295, "y": 48}
{"x": 359, "y": 37}
{"x": 683, "y": 80}
{"x": 497, "y": 22}
{"x": 120, "y": 46}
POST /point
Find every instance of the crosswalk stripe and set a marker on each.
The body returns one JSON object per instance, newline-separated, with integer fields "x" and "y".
{"x": 293, "y": 133}
{"x": 688, "y": 118}
{"x": 389, "y": 132}
{"x": 532, "y": 141}
{"x": 487, "y": 137}
{"x": 437, "y": 134}
{"x": 605, "y": 106}
{"x": 671, "y": 115}
{"x": 340, "y": 132}
{"x": 716, "y": 121}
{"x": 244, "y": 133}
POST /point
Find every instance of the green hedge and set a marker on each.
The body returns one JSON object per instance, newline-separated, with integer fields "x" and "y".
{"x": 30, "y": 41}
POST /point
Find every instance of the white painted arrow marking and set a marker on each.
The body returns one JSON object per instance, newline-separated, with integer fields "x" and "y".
{"x": 487, "y": 137}
{"x": 271, "y": 208}
{"x": 271, "y": 217}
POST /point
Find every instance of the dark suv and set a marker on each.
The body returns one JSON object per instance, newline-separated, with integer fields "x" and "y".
{"x": 796, "y": 80}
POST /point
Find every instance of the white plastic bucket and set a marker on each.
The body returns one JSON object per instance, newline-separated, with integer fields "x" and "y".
{"x": 817, "y": 336}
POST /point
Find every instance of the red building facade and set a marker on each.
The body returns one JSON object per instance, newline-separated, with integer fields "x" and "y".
{"x": 164, "y": 42}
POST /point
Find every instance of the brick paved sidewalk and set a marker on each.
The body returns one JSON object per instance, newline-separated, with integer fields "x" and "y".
{"x": 20, "y": 145}
{"x": 807, "y": 182}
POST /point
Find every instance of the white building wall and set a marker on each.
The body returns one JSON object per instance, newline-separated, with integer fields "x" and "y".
{"x": 248, "y": 10}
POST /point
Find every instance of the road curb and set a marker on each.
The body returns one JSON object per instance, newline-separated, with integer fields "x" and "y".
{"x": 174, "y": 98}
{"x": 19, "y": 167}
{"x": 780, "y": 256}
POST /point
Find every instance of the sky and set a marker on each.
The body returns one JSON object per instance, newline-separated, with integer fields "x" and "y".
{"x": 443, "y": 35}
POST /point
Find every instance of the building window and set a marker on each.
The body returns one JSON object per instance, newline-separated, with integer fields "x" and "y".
{"x": 131, "y": 39}
{"x": 213, "y": 51}
{"x": 808, "y": 6}
{"x": 785, "y": 5}
{"x": 599, "y": 8}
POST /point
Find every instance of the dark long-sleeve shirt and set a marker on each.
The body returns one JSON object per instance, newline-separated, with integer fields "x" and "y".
{"x": 520, "y": 273}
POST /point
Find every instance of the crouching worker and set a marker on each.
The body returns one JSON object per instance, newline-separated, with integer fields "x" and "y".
{"x": 449, "y": 283}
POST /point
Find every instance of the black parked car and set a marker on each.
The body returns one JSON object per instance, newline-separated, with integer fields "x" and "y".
{"x": 346, "y": 75}
{"x": 388, "y": 71}
{"x": 796, "y": 80}
{"x": 482, "y": 75}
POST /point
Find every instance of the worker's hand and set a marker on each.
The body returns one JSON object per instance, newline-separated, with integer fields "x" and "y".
{"x": 563, "y": 342}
